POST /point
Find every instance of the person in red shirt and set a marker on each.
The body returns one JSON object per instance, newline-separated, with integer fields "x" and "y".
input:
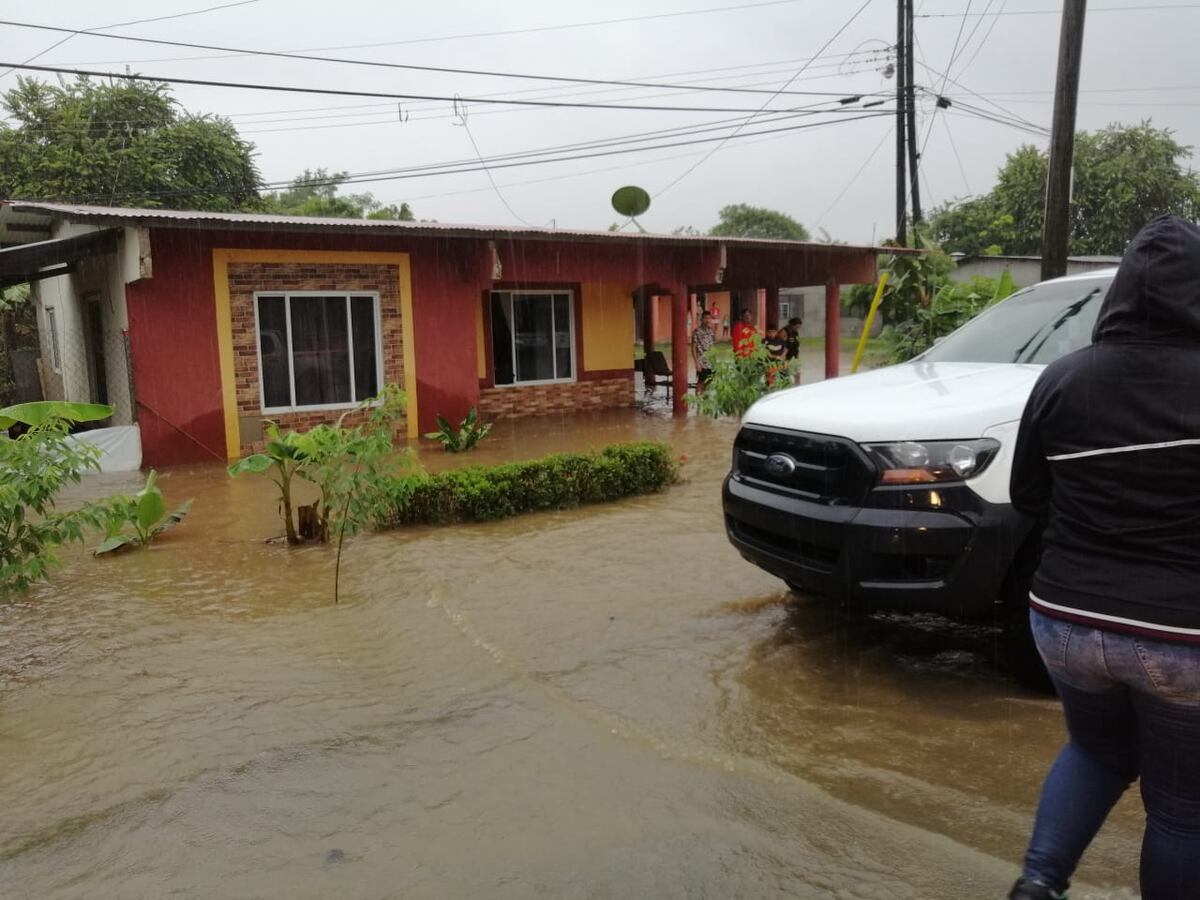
{"x": 744, "y": 336}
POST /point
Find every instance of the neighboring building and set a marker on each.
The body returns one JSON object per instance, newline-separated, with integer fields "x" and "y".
{"x": 1025, "y": 270}
{"x": 197, "y": 326}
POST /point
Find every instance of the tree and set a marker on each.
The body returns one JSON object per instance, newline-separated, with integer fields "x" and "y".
{"x": 124, "y": 144}
{"x": 742, "y": 220}
{"x": 1124, "y": 177}
{"x": 315, "y": 193}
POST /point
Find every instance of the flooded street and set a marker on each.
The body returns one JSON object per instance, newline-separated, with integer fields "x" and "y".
{"x": 605, "y": 702}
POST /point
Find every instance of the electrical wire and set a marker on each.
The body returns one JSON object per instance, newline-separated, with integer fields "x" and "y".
{"x": 1055, "y": 12}
{"x": 820, "y": 220}
{"x": 506, "y": 33}
{"x": 455, "y": 169}
{"x": 988, "y": 118}
{"x": 279, "y": 54}
{"x": 958, "y": 84}
{"x": 335, "y": 92}
{"x": 986, "y": 37}
{"x": 954, "y": 50}
{"x": 962, "y": 170}
{"x": 767, "y": 102}
{"x": 98, "y": 28}
{"x": 946, "y": 75}
{"x": 487, "y": 171}
{"x": 624, "y": 167}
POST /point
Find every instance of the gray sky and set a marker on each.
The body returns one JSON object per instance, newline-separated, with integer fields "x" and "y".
{"x": 1139, "y": 62}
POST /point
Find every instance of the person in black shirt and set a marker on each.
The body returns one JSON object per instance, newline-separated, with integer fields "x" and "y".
{"x": 793, "y": 337}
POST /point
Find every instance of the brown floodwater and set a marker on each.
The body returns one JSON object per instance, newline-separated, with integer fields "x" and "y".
{"x": 604, "y": 702}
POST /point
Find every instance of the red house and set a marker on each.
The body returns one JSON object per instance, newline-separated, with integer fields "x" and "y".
{"x": 197, "y": 326}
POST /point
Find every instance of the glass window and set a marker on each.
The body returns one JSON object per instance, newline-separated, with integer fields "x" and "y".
{"x": 1036, "y": 325}
{"x": 532, "y": 336}
{"x": 317, "y": 350}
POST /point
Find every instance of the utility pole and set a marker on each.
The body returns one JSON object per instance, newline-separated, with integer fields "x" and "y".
{"x": 911, "y": 112}
{"x": 1057, "y": 228}
{"x": 901, "y": 98}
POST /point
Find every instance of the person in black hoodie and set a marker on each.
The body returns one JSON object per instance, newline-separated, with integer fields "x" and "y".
{"x": 1108, "y": 458}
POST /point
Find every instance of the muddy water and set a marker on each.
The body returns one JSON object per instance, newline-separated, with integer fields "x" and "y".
{"x": 597, "y": 703}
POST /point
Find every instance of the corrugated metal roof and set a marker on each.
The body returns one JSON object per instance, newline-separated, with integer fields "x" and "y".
{"x": 257, "y": 221}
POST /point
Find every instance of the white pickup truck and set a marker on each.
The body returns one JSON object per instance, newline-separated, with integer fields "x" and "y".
{"x": 889, "y": 489}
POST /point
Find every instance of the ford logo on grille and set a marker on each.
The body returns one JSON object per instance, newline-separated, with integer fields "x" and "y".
{"x": 779, "y": 465}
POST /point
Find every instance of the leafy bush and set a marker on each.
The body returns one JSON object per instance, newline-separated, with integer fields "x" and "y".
{"x": 558, "y": 481}
{"x": 350, "y": 466}
{"x": 738, "y": 380}
{"x": 463, "y": 438}
{"x": 952, "y": 306}
{"x": 146, "y": 512}
{"x": 33, "y": 469}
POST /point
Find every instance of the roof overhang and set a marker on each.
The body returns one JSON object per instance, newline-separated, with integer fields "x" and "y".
{"x": 19, "y": 213}
{"x": 58, "y": 256}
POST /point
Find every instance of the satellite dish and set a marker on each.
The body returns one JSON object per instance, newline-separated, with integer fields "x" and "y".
{"x": 631, "y": 201}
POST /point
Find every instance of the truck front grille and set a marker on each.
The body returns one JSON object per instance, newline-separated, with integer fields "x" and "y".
{"x": 818, "y": 467}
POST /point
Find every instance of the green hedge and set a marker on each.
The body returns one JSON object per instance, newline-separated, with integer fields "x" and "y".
{"x": 558, "y": 481}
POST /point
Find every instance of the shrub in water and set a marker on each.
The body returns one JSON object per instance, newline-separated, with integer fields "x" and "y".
{"x": 558, "y": 481}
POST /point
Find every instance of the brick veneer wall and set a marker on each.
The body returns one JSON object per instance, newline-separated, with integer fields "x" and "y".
{"x": 247, "y": 278}
{"x": 549, "y": 399}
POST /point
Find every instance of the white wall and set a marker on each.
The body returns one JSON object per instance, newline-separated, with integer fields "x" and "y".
{"x": 102, "y": 278}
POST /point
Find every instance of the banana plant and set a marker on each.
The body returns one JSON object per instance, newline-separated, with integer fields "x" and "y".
{"x": 147, "y": 513}
{"x": 463, "y": 438}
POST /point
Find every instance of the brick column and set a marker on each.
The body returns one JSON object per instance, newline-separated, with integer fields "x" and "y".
{"x": 679, "y": 350}
{"x": 833, "y": 329}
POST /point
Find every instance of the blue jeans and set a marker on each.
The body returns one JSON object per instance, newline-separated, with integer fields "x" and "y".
{"x": 1132, "y": 707}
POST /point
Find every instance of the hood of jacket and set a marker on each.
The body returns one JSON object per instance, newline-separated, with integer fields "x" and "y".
{"x": 1155, "y": 295}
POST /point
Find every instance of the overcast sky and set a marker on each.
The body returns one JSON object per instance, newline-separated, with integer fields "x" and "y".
{"x": 1139, "y": 62}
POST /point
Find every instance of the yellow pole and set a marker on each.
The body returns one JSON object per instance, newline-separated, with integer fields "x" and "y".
{"x": 862, "y": 340}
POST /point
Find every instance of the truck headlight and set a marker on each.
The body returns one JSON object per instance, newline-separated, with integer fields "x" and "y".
{"x": 930, "y": 462}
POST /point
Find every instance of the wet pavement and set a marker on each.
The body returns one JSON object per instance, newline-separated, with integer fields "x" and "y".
{"x": 604, "y": 702}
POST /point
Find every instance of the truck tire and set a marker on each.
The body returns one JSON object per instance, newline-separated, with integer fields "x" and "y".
{"x": 1018, "y": 652}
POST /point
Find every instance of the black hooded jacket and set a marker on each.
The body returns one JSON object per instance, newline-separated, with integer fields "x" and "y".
{"x": 1108, "y": 453}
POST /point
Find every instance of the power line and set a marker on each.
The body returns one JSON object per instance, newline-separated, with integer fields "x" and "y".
{"x": 456, "y": 169}
{"x": 972, "y": 33}
{"x": 1055, "y": 12}
{"x": 962, "y": 170}
{"x": 487, "y": 171}
{"x": 366, "y": 109}
{"x": 98, "y": 28}
{"x": 395, "y": 114}
{"x": 279, "y": 54}
{"x": 986, "y": 37}
{"x": 334, "y": 92}
{"x": 854, "y": 178}
{"x": 509, "y": 32}
{"x": 958, "y": 84}
{"x": 954, "y": 50}
{"x": 1024, "y": 124}
{"x": 989, "y": 118}
{"x": 767, "y": 102}
{"x": 583, "y": 173}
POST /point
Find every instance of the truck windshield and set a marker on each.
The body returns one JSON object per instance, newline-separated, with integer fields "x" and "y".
{"x": 1036, "y": 325}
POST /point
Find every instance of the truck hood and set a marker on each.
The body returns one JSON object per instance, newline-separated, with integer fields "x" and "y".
{"x": 910, "y": 402}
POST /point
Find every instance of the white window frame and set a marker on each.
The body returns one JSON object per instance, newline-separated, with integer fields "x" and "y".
{"x": 54, "y": 339}
{"x": 286, "y": 296}
{"x": 537, "y": 292}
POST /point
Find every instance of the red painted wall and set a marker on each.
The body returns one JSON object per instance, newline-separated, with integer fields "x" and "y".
{"x": 172, "y": 327}
{"x": 173, "y": 319}
{"x": 173, "y": 343}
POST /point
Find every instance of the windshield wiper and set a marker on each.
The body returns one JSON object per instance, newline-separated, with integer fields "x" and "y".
{"x": 1072, "y": 310}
